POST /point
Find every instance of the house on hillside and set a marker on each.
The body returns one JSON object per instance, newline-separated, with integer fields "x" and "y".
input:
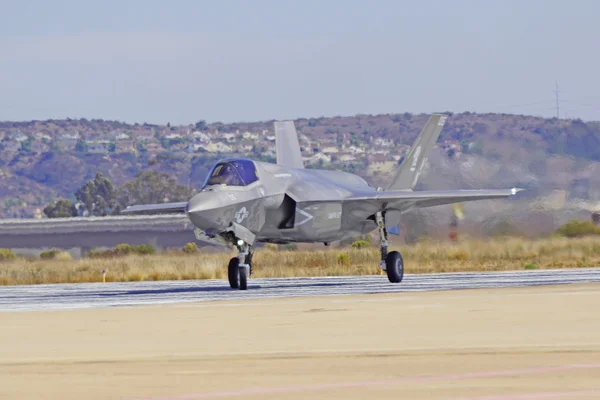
{"x": 250, "y": 136}
{"x": 98, "y": 147}
{"x": 122, "y": 137}
{"x": 200, "y": 137}
{"x": 382, "y": 142}
{"x": 229, "y": 137}
{"x": 18, "y": 137}
{"x": 355, "y": 150}
{"x": 318, "y": 157}
{"x": 173, "y": 135}
{"x": 347, "y": 157}
{"x": 380, "y": 164}
{"x": 144, "y": 136}
{"x": 124, "y": 146}
{"x": 217, "y": 147}
{"x": 330, "y": 150}
{"x": 42, "y": 136}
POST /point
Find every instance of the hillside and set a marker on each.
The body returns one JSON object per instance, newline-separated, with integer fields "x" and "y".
{"x": 558, "y": 161}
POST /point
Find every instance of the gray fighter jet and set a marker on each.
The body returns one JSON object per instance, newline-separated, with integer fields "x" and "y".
{"x": 245, "y": 202}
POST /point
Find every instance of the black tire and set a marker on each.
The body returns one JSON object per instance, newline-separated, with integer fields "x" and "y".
{"x": 233, "y": 272}
{"x": 243, "y": 273}
{"x": 394, "y": 266}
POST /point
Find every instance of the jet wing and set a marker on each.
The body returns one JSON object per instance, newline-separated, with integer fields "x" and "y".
{"x": 404, "y": 200}
{"x": 161, "y": 208}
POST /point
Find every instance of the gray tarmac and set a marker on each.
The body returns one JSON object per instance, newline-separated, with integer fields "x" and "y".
{"x": 92, "y": 295}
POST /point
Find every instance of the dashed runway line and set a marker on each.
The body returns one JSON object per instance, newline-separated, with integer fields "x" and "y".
{"x": 92, "y": 295}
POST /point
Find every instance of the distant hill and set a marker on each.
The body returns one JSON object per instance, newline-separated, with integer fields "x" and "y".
{"x": 558, "y": 161}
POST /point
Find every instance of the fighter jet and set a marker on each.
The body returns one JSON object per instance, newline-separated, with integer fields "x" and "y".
{"x": 244, "y": 202}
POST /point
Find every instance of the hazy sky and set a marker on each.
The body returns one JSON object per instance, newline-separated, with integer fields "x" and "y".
{"x": 227, "y": 60}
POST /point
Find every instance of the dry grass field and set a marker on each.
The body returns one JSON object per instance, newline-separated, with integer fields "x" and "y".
{"x": 424, "y": 257}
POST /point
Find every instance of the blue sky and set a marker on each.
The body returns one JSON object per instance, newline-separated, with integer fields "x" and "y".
{"x": 233, "y": 60}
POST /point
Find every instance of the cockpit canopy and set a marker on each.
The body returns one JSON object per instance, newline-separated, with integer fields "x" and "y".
{"x": 238, "y": 172}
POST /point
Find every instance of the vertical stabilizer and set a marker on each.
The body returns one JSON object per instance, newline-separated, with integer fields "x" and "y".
{"x": 288, "y": 148}
{"x": 407, "y": 174}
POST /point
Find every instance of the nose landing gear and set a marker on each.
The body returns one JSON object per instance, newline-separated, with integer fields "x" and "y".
{"x": 240, "y": 267}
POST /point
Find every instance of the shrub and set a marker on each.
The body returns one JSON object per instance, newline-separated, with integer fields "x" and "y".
{"x": 144, "y": 249}
{"x": 361, "y": 244}
{"x": 343, "y": 259}
{"x": 578, "y": 228}
{"x": 190, "y": 248}
{"x": 48, "y": 254}
{"x": 63, "y": 256}
{"x": 123, "y": 249}
{"x": 271, "y": 246}
{"x": 6, "y": 255}
{"x": 530, "y": 266}
{"x": 289, "y": 247}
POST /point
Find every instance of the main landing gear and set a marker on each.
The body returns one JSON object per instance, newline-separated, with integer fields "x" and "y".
{"x": 391, "y": 262}
{"x": 240, "y": 267}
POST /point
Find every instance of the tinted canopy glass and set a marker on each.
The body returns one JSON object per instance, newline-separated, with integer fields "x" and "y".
{"x": 233, "y": 173}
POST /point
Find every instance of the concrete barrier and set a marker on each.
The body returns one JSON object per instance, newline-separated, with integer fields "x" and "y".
{"x": 90, "y": 232}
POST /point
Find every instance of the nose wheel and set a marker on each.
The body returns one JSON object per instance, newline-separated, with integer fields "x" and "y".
{"x": 240, "y": 268}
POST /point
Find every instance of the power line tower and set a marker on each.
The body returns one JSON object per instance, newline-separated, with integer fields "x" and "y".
{"x": 557, "y": 102}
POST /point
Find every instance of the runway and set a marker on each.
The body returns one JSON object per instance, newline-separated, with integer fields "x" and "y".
{"x": 93, "y": 295}
{"x": 300, "y": 339}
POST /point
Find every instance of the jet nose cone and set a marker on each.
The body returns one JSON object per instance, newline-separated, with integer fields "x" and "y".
{"x": 202, "y": 210}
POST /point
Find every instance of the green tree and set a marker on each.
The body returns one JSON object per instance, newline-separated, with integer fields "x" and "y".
{"x": 98, "y": 195}
{"x": 200, "y": 125}
{"x": 62, "y": 208}
{"x": 26, "y": 145}
{"x": 151, "y": 187}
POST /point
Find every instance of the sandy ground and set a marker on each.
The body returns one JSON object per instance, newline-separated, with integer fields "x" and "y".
{"x": 525, "y": 343}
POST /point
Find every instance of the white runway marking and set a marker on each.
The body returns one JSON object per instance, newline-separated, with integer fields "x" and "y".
{"x": 91, "y": 295}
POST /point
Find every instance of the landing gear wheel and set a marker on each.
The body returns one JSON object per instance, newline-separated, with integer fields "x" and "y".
{"x": 233, "y": 272}
{"x": 394, "y": 266}
{"x": 243, "y": 273}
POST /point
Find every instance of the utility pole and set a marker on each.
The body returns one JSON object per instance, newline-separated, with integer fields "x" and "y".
{"x": 557, "y": 102}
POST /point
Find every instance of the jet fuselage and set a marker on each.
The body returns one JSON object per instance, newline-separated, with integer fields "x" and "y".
{"x": 282, "y": 204}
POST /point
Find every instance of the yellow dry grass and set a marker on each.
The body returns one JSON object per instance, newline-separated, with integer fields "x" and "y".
{"x": 424, "y": 257}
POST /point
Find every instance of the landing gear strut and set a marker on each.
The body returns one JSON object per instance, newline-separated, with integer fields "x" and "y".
{"x": 392, "y": 262}
{"x": 240, "y": 267}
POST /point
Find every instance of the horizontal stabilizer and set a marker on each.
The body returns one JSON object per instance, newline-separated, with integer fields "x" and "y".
{"x": 161, "y": 208}
{"x": 288, "y": 147}
{"x": 407, "y": 174}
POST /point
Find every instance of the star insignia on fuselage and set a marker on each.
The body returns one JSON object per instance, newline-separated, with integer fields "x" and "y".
{"x": 241, "y": 215}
